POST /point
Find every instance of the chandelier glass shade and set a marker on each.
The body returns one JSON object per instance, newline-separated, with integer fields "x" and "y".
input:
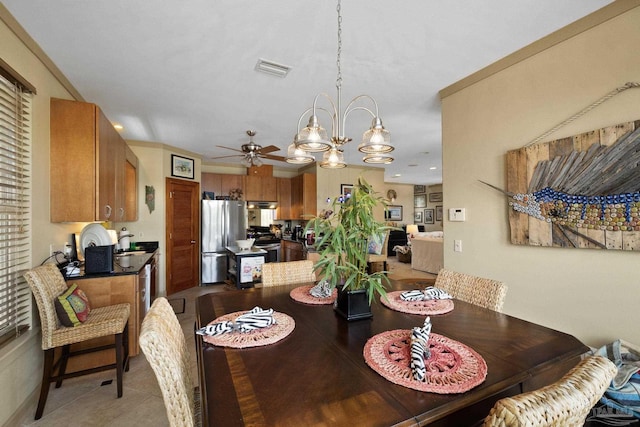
{"x": 313, "y": 138}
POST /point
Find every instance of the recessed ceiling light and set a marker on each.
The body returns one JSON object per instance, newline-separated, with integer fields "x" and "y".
{"x": 397, "y": 175}
{"x": 433, "y": 168}
{"x": 413, "y": 165}
{"x": 273, "y": 68}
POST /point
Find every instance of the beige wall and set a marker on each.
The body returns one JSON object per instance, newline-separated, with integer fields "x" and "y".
{"x": 21, "y": 361}
{"x": 592, "y": 294}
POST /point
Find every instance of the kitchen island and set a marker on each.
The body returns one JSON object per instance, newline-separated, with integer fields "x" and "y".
{"x": 245, "y": 266}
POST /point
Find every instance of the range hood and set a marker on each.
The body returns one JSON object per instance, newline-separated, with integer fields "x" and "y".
{"x": 262, "y": 205}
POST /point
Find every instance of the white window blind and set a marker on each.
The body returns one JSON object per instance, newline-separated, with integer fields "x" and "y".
{"x": 15, "y": 160}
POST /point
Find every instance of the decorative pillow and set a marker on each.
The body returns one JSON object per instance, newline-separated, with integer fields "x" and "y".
{"x": 72, "y": 306}
{"x": 375, "y": 244}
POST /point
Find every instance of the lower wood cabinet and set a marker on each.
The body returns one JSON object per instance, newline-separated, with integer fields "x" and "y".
{"x": 292, "y": 251}
{"x": 103, "y": 291}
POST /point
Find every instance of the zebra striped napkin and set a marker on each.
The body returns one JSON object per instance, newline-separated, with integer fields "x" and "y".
{"x": 420, "y": 350}
{"x": 429, "y": 293}
{"x": 254, "y": 319}
{"x": 321, "y": 290}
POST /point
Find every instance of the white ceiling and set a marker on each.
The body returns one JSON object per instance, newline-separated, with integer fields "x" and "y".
{"x": 182, "y": 72}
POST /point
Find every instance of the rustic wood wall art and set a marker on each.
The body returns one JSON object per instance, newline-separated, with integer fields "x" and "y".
{"x": 582, "y": 191}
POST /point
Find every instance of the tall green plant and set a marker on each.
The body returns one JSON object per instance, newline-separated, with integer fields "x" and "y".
{"x": 342, "y": 235}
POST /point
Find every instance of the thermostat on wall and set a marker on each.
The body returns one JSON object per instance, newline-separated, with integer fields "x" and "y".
{"x": 456, "y": 214}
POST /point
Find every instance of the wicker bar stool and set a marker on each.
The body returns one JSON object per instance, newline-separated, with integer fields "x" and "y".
{"x": 486, "y": 293}
{"x": 565, "y": 403}
{"x": 47, "y": 283}
{"x": 287, "y": 273}
{"x": 163, "y": 344}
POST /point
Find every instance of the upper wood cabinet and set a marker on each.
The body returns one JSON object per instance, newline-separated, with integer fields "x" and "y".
{"x": 130, "y": 185}
{"x": 303, "y": 196}
{"x": 221, "y": 184}
{"x": 88, "y": 161}
{"x": 260, "y": 188}
{"x": 283, "y": 210}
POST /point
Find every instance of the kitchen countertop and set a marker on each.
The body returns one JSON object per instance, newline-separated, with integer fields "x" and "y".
{"x": 122, "y": 265}
{"x": 253, "y": 251}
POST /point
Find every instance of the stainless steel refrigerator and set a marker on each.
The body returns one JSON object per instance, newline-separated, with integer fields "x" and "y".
{"x": 223, "y": 222}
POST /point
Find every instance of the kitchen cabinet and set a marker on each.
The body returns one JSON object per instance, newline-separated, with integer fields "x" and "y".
{"x": 87, "y": 165}
{"x": 221, "y": 184}
{"x": 292, "y": 250}
{"x": 284, "y": 199}
{"x": 303, "y": 196}
{"x": 130, "y": 185}
{"x": 260, "y": 188}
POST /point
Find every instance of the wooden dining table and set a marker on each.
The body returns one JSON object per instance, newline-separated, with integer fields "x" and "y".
{"x": 317, "y": 375}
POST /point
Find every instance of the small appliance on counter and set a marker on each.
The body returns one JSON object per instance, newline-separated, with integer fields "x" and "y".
{"x": 98, "y": 259}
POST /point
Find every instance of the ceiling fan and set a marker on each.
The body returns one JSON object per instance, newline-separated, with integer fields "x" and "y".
{"x": 252, "y": 153}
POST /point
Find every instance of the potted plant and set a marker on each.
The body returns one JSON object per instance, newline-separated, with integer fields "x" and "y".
{"x": 342, "y": 237}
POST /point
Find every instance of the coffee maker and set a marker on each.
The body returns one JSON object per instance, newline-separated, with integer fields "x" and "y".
{"x": 297, "y": 233}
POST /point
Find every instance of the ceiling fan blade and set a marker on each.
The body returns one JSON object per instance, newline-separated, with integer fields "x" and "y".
{"x": 269, "y": 149}
{"x": 225, "y": 157}
{"x": 229, "y": 148}
{"x": 272, "y": 157}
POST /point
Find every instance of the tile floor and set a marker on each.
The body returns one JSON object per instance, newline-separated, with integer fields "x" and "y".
{"x": 83, "y": 401}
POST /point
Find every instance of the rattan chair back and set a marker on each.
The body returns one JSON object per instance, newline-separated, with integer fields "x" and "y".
{"x": 564, "y": 403}
{"x": 487, "y": 293}
{"x": 287, "y": 273}
{"x": 46, "y": 283}
{"x": 163, "y": 344}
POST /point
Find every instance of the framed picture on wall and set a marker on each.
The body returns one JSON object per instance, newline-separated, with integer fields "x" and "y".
{"x": 435, "y": 197}
{"x": 428, "y": 216}
{"x": 438, "y": 213}
{"x": 420, "y": 201}
{"x": 182, "y": 167}
{"x": 419, "y": 189}
{"x": 394, "y": 213}
{"x": 417, "y": 217}
{"x": 346, "y": 189}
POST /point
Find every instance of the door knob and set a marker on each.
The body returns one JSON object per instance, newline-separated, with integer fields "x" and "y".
{"x": 193, "y": 242}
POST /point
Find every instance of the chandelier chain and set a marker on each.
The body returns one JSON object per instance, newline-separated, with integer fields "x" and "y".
{"x": 339, "y": 77}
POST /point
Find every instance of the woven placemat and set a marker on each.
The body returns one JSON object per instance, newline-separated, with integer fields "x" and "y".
{"x": 301, "y": 294}
{"x": 452, "y": 368}
{"x": 258, "y": 337}
{"x": 424, "y": 308}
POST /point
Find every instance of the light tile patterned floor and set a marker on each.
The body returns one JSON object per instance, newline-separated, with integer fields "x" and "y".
{"x": 84, "y": 402}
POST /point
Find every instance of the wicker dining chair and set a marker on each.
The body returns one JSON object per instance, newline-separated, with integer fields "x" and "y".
{"x": 564, "y": 403}
{"x": 486, "y": 293}
{"x": 287, "y": 273}
{"x": 163, "y": 344}
{"x": 47, "y": 283}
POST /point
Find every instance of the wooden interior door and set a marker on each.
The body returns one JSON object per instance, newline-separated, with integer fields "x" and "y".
{"x": 183, "y": 230}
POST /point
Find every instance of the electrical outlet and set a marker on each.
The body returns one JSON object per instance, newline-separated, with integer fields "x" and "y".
{"x": 51, "y": 249}
{"x": 141, "y": 234}
{"x": 457, "y": 245}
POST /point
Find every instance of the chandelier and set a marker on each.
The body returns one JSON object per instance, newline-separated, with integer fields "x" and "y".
{"x": 376, "y": 142}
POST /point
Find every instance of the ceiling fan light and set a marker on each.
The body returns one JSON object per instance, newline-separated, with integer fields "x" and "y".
{"x": 256, "y": 161}
{"x": 375, "y": 158}
{"x": 333, "y": 159}
{"x": 246, "y": 161}
{"x": 376, "y": 140}
{"x": 298, "y": 156}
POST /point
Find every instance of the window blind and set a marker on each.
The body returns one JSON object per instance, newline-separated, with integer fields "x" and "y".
{"x": 15, "y": 160}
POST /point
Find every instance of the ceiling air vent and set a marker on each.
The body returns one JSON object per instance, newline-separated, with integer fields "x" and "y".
{"x": 273, "y": 68}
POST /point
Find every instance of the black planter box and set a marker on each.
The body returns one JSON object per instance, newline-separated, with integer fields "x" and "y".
{"x": 353, "y": 305}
